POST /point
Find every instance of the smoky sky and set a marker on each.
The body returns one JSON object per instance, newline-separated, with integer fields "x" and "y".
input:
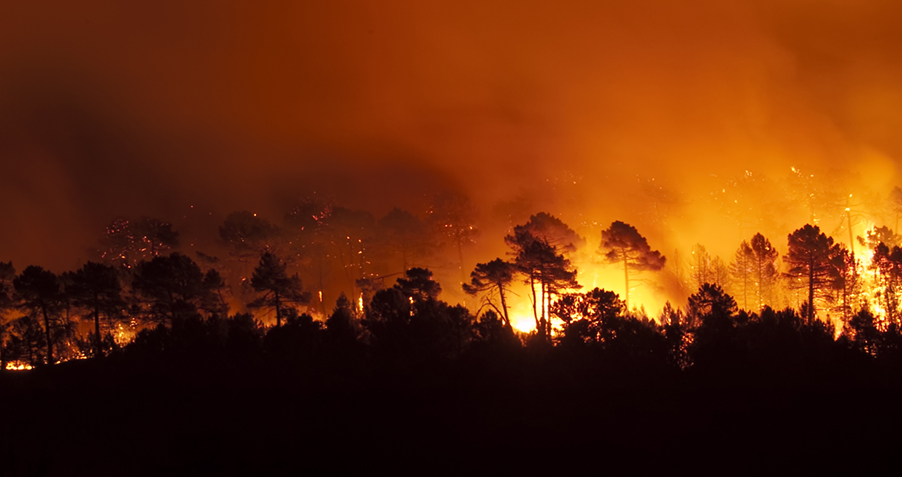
{"x": 126, "y": 108}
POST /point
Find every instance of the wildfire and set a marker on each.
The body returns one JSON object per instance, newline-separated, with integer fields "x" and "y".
{"x": 18, "y": 366}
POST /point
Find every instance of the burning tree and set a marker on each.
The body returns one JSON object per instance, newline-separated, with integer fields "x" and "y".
{"x": 895, "y": 204}
{"x": 128, "y": 242}
{"x": 810, "y": 261}
{"x": 277, "y": 287}
{"x": 888, "y": 263}
{"x": 846, "y": 281}
{"x": 754, "y": 270}
{"x": 703, "y": 268}
{"x": 622, "y": 243}
{"x": 878, "y": 235}
{"x": 542, "y": 265}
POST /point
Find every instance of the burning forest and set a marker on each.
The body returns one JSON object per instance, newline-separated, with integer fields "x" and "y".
{"x": 587, "y": 232}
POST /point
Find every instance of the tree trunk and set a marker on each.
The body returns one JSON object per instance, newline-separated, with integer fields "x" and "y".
{"x": 47, "y": 333}
{"x": 278, "y": 311}
{"x": 811, "y": 291}
{"x": 97, "y": 343}
{"x": 626, "y": 278}
{"x": 535, "y": 311}
{"x": 507, "y": 319}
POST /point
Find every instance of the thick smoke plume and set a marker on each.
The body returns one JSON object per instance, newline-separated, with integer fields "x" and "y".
{"x": 652, "y": 112}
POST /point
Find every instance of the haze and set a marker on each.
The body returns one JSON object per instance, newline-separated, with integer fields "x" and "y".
{"x": 593, "y": 111}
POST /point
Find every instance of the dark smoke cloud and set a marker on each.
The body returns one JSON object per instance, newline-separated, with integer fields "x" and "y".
{"x": 594, "y": 110}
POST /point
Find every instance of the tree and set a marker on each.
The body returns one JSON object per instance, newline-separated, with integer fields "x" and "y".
{"x": 310, "y": 242}
{"x": 247, "y": 235}
{"x": 492, "y": 278}
{"x": 754, "y": 270}
{"x": 765, "y": 268}
{"x": 404, "y": 235}
{"x": 542, "y": 265}
{"x": 878, "y": 235}
{"x": 895, "y": 204}
{"x": 408, "y": 321}
{"x": 126, "y": 242}
{"x": 585, "y": 314}
{"x": 214, "y": 300}
{"x": 743, "y": 268}
{"x": 40, "y": 298}
{"x": 277, "y": 287}
{"x": 622, "y": 243}
{"x": 888, "y": 263}
{"x": 96, "y": 288}
{"x": 700, "y": 270}
{"x": 711, "y": 301}
{"x": 7, "y": 275}
{"x": 703, "y": 268}
{"x": 340, "y": 324}
{"x": 810, "y": 263}
{"x": 173, "y": 287}
{"x": 846, "y": 281}
{"x": 454, "y": 216}
{"x": 553, "y": 231}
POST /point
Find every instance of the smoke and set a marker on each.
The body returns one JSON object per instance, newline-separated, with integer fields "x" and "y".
{"x": 594, "y": 111}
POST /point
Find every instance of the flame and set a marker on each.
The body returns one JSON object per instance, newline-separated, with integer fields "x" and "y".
{"x": 18, "y": 366}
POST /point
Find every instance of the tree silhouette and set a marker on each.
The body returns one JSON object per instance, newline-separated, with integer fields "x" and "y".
{"x": 542, "y": 265}
{"x": 407, "y": 321}
{"x": 553, "y": 231}
{"x": 247, "y": 235}
{"x": 404, "y": 235}
{"x": 754, "y": 269}
{"x": 340, "y": 324}
{"x": 454, "y": 217}
{"x": 585, "y": 314}
{"x": 40, "y": 298}
{"x": 743, "y": 268}
{"x": 765, "y": 268}
{"x": 172, "y": 285}
{"x": 846, "y": 281}
{"x": 703, "y": 268}
{"x": 895, "y": 205}
{"x": 96, "y": 288}
{"x": 7, "y": 304}
{"x": 277, "y": 288}
{"x": 622, "y": 243}
{"x": 810, "y": 263}
{"x": 711, "y": 300}
{"x": 492, "y": 278}
{"x": 214, "y": 300}
{"x": 878, "y": 235}
{"x": 888, "y": 262}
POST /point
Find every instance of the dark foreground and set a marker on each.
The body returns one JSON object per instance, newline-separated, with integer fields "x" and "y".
{"x": 122, "y": 418}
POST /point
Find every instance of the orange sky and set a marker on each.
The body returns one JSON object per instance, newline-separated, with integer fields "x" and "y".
{"x": 112, "y": 108}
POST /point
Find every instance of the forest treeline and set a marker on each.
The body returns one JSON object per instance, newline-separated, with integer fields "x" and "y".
{"x": 141, "y": 292}
{"x": 180, "y": 310}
